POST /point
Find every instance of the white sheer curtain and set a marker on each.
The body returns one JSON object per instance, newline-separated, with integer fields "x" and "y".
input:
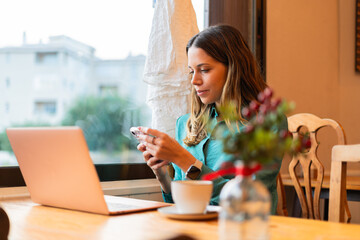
{"x": 166, "y": 70}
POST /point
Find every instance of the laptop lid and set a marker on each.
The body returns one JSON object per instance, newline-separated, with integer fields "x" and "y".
{"x": 57, "y": 168}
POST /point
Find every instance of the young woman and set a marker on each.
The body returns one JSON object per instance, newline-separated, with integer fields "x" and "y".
{"x": 222, "y": 69}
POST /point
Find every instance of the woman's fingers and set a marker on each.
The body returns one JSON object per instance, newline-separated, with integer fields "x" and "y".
{"x": 147, "y": 139}
{"x": 155, "y": 163}
{"x": 150, "y": 131}
{"x": 161, "y": 145}
{"x": 153, "y": 149}
{"x": 152, "y": 145}
{"x": 147, "y": 155}
{"x": 153, "y": 136}
{"x": 152, "y": 161}
{"x": 141, "y": 147}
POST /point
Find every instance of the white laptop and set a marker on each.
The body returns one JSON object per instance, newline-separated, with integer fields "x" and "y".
{"x": 58, "y": 171}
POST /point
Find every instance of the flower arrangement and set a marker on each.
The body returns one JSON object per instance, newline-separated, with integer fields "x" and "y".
{"x": 262, "y": 138}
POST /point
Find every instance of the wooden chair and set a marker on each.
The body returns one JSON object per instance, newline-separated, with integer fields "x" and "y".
{"x": 341, "y": 155}
{"x": 281, "y": 209}
{"x": 310, "y": 200}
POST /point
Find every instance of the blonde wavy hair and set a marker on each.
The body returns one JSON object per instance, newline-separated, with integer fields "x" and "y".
{"x": 243, "y": 82}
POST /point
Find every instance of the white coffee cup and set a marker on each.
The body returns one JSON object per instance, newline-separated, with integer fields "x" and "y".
{"x": 191, "y": 197}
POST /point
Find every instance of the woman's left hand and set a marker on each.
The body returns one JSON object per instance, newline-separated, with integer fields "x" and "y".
{"x": 162, "y": 146}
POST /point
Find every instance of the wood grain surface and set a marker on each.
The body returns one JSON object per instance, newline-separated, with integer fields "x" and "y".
{"x": 31, "y": 221}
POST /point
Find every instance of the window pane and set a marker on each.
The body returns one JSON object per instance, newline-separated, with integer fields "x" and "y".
{"x": 47, "y": 58}
{"x": 77, "y": 63}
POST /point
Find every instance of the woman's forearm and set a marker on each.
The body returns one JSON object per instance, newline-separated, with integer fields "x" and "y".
{"x": 163, "y": 177}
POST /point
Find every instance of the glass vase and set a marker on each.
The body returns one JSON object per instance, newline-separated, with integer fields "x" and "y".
{"x": 245, "y": 210}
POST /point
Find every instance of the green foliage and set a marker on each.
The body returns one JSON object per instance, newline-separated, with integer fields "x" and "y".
{"x": 105, "y": 121}
{"x": 4, "y": 142}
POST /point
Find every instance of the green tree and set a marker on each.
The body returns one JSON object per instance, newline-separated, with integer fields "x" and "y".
{"x": 105, "y": 121}
{"x": 4, "y": 142}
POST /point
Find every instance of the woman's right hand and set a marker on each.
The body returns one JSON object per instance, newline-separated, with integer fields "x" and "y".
{"x": 154, "y": 163}
{"x": 157, "y": 166}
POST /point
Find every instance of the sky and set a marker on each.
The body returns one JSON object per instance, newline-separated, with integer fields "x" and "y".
{"x": 102, "y": 24}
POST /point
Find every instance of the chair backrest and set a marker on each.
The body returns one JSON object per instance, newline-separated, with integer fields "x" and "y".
{"x": 311, "y": 199}
{"x": 281, "y": 208}
{"x": 341, "y": 155}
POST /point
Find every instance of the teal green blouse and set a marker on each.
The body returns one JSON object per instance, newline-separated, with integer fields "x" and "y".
{"x": 210, "y": 152}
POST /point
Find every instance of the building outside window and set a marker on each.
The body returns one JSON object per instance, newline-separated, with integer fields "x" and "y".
{"x": 7, "y": 57}
{"x": 7, "y": 107}
{"x": 7, "y": 82}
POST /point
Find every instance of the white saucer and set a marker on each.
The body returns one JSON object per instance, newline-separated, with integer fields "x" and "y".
{"x": 172, "y": 212}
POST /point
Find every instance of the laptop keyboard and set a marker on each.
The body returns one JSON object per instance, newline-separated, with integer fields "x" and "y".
{"x": 114, "y": 206}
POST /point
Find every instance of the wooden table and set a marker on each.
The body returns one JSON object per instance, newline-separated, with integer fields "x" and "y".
{"x": 352, "y": 186}
{"x": 32, "y": 221}
{"x": 352, "y": 182}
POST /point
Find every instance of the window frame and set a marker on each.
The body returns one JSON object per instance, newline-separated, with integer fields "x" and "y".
{"x": 12, "y": 177}
{"x": 251, "y": 23}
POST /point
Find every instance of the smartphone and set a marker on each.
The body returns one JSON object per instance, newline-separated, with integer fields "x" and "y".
{"x": 136, "y": 133}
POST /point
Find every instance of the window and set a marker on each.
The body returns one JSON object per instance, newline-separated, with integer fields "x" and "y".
{"x": 7, "y": 107}
{"x": 79, "y": 69}
{"x": 108, "y": 90}
{"x": 7, "y": 57}
{"x": 47, "y": 58}
{"x": 45, "y": 108}
{"x": 7, "y": 82}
